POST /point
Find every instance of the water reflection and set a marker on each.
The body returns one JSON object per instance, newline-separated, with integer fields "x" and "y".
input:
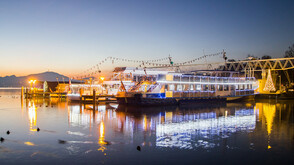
{"x": 257, "y": 130}
{"x": 82, "y": 116}
{"x": 182, "y": 130}
{"x": 32, "y": 114}
{"x": 268, "y": 111}
{"x": 188, "y": 127}
{"x": 101, "y": 138}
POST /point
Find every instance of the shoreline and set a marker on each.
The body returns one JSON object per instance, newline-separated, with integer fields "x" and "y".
{"x": 10, "y": 88}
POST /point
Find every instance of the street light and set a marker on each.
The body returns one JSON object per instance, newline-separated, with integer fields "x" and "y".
{"x": 32, "y": 83}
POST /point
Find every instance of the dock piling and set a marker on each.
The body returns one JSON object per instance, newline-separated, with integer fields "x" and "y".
{"x": 94, "y": 99}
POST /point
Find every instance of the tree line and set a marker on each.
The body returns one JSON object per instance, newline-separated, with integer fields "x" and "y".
{"x": 288, "y": 53}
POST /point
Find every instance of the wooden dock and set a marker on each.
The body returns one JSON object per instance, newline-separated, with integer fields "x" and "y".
{"x": 29, "y": 93}
{"x": 91, "y": 99}
{"x": 84, "y": 99}
{"x": 96, "y": 99}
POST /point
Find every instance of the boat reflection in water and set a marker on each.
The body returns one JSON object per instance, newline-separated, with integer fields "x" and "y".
{"x": 181, "y": 130}
{"x": 195, "y": 126}
{"x": 87, "y": 117}
{"x": 185, "y": 127}
{"x": 259, "y": 132}
{"x": 173, "y": 126}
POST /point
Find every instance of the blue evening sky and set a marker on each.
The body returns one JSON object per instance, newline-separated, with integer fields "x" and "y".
{"x": 69, "y": 36}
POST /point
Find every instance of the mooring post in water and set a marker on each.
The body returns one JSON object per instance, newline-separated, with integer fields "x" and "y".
{"x": 21, "y": 96}
{"x": 94, "y": 99}
{"x": 81, "y": 95}
{"x": 26, "y": 92}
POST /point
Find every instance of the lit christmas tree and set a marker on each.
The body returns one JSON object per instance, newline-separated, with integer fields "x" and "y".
{"x": 269, "y": 85}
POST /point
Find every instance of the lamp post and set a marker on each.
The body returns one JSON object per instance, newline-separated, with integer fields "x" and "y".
{"x": 34, "y": 81}
{"x": 32, "y": 84}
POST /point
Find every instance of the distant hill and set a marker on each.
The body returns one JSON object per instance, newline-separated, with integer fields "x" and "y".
{"x": 13, "y": 81}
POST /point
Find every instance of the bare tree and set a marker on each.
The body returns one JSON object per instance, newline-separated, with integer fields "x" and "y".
{"x": 290, "y": 51}
{"x": 266, "y": 57}
{"x": 251, "y": 57}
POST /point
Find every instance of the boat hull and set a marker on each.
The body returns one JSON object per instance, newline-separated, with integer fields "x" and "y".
{"x": 166, "y": 101}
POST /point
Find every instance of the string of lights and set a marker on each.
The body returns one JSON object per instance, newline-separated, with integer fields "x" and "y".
{"x": 183, "y": 63}
{"x": 142, "y": 63}
{"x": 96, "y": 68}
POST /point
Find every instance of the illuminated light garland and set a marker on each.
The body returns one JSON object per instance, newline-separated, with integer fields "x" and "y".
{"x": 197, "y": 59}
{"x": 90, "y": 71}
{"x": 186, "y": 62}
{"x": 269, "y": 85}
{"x": 208, "y": 83}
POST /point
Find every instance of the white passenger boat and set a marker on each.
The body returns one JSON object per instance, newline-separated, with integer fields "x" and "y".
{"x": 165, "y": 88}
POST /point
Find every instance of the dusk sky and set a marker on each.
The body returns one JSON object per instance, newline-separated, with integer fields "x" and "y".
{"x": 71, "y": 36}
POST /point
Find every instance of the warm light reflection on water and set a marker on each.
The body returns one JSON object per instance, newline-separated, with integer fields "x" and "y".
{"x": 110, "y": 134}
{"x": 32, "y": 112}
{"x": 268, "y": 111}
{"x": 101, "y": 141}
{"x": 29, "y": 143}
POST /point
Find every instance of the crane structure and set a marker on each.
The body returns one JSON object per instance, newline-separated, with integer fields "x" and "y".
{"x": 260, "y": 65}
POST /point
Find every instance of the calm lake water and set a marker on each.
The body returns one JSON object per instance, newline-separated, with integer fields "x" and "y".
{"x": 260, "y": 132}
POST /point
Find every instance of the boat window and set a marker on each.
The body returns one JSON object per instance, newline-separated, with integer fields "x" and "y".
{"x": 237, "y": 87}
{"x": 197, "y": 79}
{"x": 225, "y": 80}
{"x": 212, "y": 79}
{"x": 203, "y": 79}
{"x": 250, "y": 86}
{"x": 171, "y": 87}
{"x": 220, "y": 87}
{"x": 161, "y": 77}
{"x": 177, "y": 78}
{"x": 166, "y": 86}
{"x": 205, "y": 87}
{"x": 191, "y": 87}
{"x": 212, "y": 87}
{"x": 226, "y": 87}
{"x": 198, "y": 87}
{"x": 185, "y": 78}
{"x": 179, "y": 88}
{"x": 218, "y": 79}
{"x": 241, "y": 87}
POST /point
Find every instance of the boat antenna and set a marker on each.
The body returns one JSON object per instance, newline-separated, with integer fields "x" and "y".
{"x": 225, "y": 57}
{"x": 205, "y": 59}
{"x": 170, "y": 60}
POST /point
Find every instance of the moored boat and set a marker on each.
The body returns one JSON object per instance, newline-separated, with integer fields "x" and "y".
{"x": 185, "y": 88}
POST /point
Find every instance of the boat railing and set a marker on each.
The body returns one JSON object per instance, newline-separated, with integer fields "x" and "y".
{"x": 244, "y": 92}
{"x": 152, "y": 87}
{"x": 135, "y": 87}
{"x": 194, "y": 94}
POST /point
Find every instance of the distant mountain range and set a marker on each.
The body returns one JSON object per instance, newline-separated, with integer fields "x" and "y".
{"x": 13, "y": 81}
